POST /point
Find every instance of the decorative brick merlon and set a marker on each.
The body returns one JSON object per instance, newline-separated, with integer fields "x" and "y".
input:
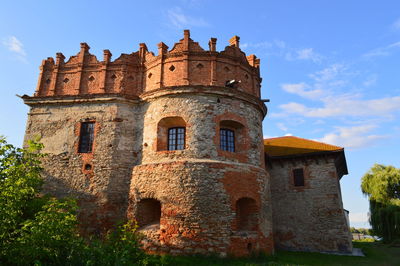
{"x": 212, "y": 44}
{"x": 84, "y": 47}
{"x": 234, "y": 41}
{"x": 59, "y": 58}
{"x": 162, "y": 48}
{"x": 186, "y": 40}
{"x": 187, "y": 63}
{"x": 107, "y": 56}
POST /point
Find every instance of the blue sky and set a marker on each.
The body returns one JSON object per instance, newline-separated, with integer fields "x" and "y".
{"x": 330, "y": 68}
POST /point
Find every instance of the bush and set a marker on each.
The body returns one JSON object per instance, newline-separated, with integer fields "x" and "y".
{"x": 40, "y": 230}
{"x": 120, "y": 247}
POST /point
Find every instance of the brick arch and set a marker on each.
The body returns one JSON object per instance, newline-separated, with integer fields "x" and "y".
{"x": 247, "y": 214}
{"x": 162, "y": 130}
{"x": 239, "y": 126}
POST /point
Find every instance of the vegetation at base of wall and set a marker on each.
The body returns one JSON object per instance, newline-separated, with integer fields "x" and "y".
{"x": 364, "y": 240}
{"x": 382, "y": 185}
{"x": 365, "y": 231}
{"x": 375, "y": 254}
{"x": 41, "y": 230}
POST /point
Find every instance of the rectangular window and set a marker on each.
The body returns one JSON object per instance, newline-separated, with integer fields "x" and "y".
{"x": 86, "y": 137}
{"x": 227, "y": 139}
{"x": 176, "y": 138}
{"x": 298, "y": 175}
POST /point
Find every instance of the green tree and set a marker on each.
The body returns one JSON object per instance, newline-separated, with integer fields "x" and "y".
{"x": 382, "y": 186}
{"x": 41, "y": 230}
{"x": 19, "y": 184}
{"x": 32, "y": 226}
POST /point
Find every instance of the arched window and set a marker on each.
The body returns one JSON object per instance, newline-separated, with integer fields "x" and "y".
{"x": 246, "y": 214}
{"x": 227, "y": 139}
{"x": 148, "y": 212}
{"x": 230, "y": 136}
{"x": 171, "y": 134}
{"x": 176, "y": 138}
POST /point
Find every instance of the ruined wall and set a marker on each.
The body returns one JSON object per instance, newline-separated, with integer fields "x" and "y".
{"x": 193, "y": 200}
{"x": 198, "y": 187}
{"x": 100, "y": 179}
{"x": 309, "y": 217}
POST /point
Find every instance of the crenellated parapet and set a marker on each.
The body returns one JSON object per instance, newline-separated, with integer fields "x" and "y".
{"x": 186, "y": 64}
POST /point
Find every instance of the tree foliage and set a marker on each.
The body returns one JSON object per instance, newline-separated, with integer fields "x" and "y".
{"x": 40, "y": 230}
{"x": 382, "y": 185}
{"x": 19, "y": 185}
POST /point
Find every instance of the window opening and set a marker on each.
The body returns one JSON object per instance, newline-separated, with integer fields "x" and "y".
{"x": 86, "y": 137}
{"x": 247, "y": 214}
{"x": 227, "y": 139}
{"x": 298, "y": 175}
{"x": 176, "y": 138}
{"x": 148, "y": 212}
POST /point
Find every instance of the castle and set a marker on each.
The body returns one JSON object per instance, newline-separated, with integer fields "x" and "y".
{"x": 174, "y": 141}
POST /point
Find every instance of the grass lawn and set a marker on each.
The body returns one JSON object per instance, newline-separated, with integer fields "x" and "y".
{"x": 376, "y": 254}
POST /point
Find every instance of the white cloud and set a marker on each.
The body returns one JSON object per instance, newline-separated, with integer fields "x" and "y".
{"x": 303, "y": 54}
{"x": 14, "y": 45}
{"x": 303, "y": 90}
{"x": 282, "y": 126}
{"x": 269, "y": 137}
{"x": 352, "y": 137}
{"x": 282, "y": 49}
{"x": 328, "y": 73}
{"x": 324, "y": 89}
{"x": 382, "y": 51}
{"x": 358, "y": 217}
{"x": 346, "y": 105}
{"x": 308, "y": 54}
{"x": 180, "y": 20}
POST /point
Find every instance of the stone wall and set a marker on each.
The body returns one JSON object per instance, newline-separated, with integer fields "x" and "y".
{"x": 309, "y": 217}
{"x": 198, "y": 187}
{"x": 100, "y": 179}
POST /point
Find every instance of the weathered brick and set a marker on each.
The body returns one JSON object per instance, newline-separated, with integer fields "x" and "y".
{"x": 201, "y": 199}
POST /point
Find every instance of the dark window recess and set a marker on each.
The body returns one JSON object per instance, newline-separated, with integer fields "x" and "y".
{"x": 148, "y": 212}
{"x": 298, "y": 175}
{"x": 86, "y": 137}
{"x": 227, "y": 139}
{"x": 176, "y": 138}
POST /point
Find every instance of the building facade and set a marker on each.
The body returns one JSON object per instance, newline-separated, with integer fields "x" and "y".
{"x": 173, "y": 141}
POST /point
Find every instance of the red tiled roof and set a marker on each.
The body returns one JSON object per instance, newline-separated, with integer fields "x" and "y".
{"x": 290, "y": 145}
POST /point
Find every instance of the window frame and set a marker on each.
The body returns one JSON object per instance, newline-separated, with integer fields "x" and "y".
{"x": 86, "y": 134}
{"x": 296, "y": 175}
{"x": 227, "y": 142}
{"x": 176, "y": 146}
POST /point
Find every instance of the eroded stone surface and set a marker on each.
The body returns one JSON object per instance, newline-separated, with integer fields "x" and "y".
{"x": 310, "y": 217}
{"x": 197, "y": 200}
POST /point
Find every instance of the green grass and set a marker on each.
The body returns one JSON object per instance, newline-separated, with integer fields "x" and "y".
{"x": 376, "y": 254}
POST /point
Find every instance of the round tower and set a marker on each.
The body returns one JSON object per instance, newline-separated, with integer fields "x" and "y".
{"x": 173, "y": 141}
{"x": 200, "y": 185}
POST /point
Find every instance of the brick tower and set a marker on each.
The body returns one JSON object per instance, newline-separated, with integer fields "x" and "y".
{"x": 172, "y": 140}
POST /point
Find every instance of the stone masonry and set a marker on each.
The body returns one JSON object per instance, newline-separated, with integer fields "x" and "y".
{"x": 316, "y": 220}
{"x": 197, "y": 199}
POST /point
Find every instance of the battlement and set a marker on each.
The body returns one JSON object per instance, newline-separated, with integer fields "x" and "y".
{"x": 186, "y": 64}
